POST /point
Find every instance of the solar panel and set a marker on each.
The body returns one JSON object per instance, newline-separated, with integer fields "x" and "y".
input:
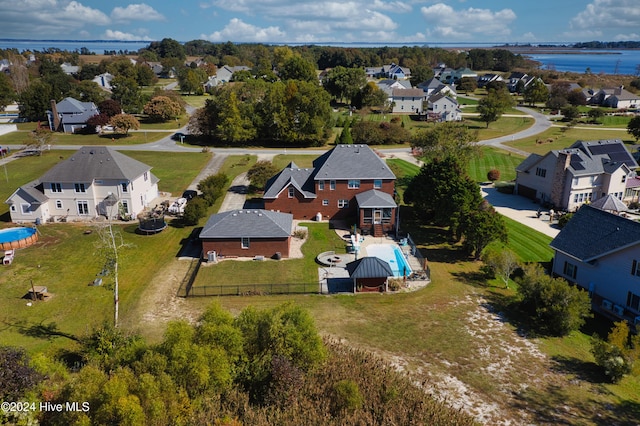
{"x": 577, "y": 165}
{"x": 620, "y": 156}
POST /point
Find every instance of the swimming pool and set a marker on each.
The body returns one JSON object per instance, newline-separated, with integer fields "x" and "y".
{"x": 391, "y": 254}
{"x": 13, "y": 238}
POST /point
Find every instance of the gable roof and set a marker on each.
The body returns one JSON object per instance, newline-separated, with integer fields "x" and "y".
{"x": 96, "y": 162}
{"x": 248, "y": 223}
{"x": 374, "y": 198}
{"x": 294, "y": 176}
{"x": 408, "y": 93}
{"x": 351, "y": 162}
{"x": 592, "y": 233}
{"x": 32, "y": 193}
{"x": 369, "y": 267}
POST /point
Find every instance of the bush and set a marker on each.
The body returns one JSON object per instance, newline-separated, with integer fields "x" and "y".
{"x": 618, "y": 353}
{"x": 195, "y": 210}
{"x": 260, "y": 173}
{"x": 493, "y": 175}
{"x": 347, "y": 396}
{"x": 562, "y": 222}
{"x": 212, "y": 187}
{"x": 634, "y": 205}
{"x": 505, "y": 187}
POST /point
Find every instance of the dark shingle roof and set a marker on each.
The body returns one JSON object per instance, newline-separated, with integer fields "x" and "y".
{"x": 369, "y": 267}
{"x": 248, "y": 223}
{"x": 528, "y": 162}
{"x": 374, "y": 198}
{"x": 351, "y": 162}
{"x": 95, "y": 162}
{"x": 592, "y": 233}
{"x": 290, "y": 175}
{"x": 32, "y": 193}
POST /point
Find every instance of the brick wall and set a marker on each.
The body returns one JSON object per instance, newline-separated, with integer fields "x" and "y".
{"x": 302, "y": 208}
{"x": 266, "y": 247}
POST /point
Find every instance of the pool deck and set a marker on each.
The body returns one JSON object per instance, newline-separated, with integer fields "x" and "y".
{"x": 339, "y": 274}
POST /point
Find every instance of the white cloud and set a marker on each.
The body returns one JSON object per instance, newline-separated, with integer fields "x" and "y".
{"x": 393, "y": 6}
{"x": 136, "y": 12}
{"x": 627, "y": 37}
{"x": 467, "y": 23}
{"x": 35, "y": 18}
{"x": 237, "y": 30}
{"x": 606, "y": 15}
{"x": 528, "y": 37}
{"x": 119, "y": 35}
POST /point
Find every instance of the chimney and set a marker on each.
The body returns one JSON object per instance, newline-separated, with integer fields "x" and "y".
{"x": 56, "y": 117}
{"x": 559, "y": 176}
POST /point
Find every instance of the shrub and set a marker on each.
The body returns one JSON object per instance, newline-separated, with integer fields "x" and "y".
{"x": 347, "y": 396}
{"x": 505, "y": 187}
{"x": 618, "y": 353}
{"x": 300, "y": 234}
{"x": 562, "y": 222}
{"x": 260, "y": 173}
{"x": 493, "y": 175}
{"x": 212, "y": 187}
{"x": 634, "y": 205}
{"x": 195, "y": 210}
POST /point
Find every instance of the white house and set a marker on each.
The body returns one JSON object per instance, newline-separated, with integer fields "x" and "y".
{"x": 103, "y": 80}
{"x": 408, "y": 101}
{"x": 441, "y": 107}
{"x": 95, "y": 181}
{"x": 584, "y": 172}
{"x": 600, "y": 252}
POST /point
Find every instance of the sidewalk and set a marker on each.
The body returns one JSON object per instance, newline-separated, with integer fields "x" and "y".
{"x": 520, "y": 209}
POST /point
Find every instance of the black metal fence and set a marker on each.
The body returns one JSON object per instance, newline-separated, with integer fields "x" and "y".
{"x": 251, "y": 289}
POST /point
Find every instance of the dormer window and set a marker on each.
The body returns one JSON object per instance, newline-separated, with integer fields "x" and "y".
{"x": 56, "y": 187}
{"x": 79, "y": 187}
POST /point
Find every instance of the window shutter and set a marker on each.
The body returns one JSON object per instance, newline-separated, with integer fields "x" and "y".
{"x": 634, "y": 265}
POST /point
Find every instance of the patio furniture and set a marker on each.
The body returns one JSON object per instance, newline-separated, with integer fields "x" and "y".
{"x": 8, "y": 257}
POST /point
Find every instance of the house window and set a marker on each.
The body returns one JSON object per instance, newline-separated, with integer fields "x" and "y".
{"x": 244, "y": 242}
{"x": 292, "y": 192}
{"x": 624, "y": 178}
{"x": 59, "y": 204}
{"x": 25, "y": 208}
{"x": 83, "y": 208}
{"x": 570, "y": 270}
{"x": 353, "y": 184}
{"x": 125, "y": 206}
{"x": 541, "y": 172}
{"x": 125, "y": 187}
{"x": 377, "y": 184}
{"x": 56, "y": 187}
{"x": 80, "y": 187}
{"x": 321, "y": 185}
{"x": 13, "y": 208}
{"x": 343, "y": 204}
{"x": 325, "y": 202}
{"x": 146, "y": 176}
{"x": 332, "y": 185}
{"x": 635, "y": 268}
{"x": 633, "y": 301}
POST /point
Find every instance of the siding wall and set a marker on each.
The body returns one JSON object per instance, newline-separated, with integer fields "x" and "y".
{"x": 266, "y": 247}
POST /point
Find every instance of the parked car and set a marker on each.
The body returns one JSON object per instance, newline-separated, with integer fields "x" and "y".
{"x": 189, "y": 194}
{"x": 178, "y": 137}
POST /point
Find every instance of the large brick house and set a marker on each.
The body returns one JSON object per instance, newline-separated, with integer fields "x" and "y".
{"x": 349, "y": 182}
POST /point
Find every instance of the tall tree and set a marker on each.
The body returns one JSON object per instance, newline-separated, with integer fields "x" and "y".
{"x": 342, "y": 82}
{"x": 494, "y": 105}
{"x": 126, "y": 91}
{"x": 298, "y": 68}
{"x": 443, "y": 192}
{"x": 420, "y": 74}
{"x": 536, "y": 92}
{"x": 88, "y": 91}
{"x": 162, "y": 108}
{"x": 35, "y": 101}
{"x": 7, "y": 94}
{"x": 124, "y": 122}
{"x": 481, "y": 226}
{"x": 633, "y": 128}
{"x": 447, "y": 139}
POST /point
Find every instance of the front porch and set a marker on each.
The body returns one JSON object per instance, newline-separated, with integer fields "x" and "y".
{"x": 377, "y": 213}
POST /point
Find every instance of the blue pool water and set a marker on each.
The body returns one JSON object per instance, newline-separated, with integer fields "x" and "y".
{"x": 391, "y": 254}
{"x": 15, "y": 234}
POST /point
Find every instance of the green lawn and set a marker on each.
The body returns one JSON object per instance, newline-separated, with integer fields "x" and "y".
{"x": 529, "y": 244}
{"x": 133, "y": 138}
{"x": 493, "y": 158}
{"x": 558, "y": 138}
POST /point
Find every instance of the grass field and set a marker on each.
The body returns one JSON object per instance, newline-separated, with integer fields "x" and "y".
{"x": 133, "y": 138}
{"x": 528, "y": 244}
{"x": 493, "y": 158}
{"x": 558, "y": 138}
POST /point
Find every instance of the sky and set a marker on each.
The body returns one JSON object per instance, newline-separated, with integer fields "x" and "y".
{"x": 418, "y": 22}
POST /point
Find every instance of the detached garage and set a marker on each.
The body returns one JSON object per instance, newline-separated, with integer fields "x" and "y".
{"x": 247, "y": 233}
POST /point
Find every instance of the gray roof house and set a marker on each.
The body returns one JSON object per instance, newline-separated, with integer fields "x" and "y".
{"x": 334, "y": 188}
{"x": 248, "y": 233}
{"x": 70, "y": 115}
{"x": 369, "y": 274}
{"x": 584, "y": 172}
{"x": 441, "y": 107}
{"x": 409, "y": 101}
{"x": 600, "y": 252}
{"x": 81, "y": 188}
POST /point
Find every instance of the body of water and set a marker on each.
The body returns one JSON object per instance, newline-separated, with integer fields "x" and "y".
{"x": 598, "y": 61}
{"x": 95, "y": 46}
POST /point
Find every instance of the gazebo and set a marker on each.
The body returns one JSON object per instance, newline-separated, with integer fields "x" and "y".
{"x": 610, "y": 203}
{"x": 369, "y": 274}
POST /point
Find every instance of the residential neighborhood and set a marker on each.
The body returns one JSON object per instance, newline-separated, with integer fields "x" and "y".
{"x": 233, "y": 233}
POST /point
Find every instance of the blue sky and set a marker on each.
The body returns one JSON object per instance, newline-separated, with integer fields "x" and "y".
{"x": 324, "y": 21}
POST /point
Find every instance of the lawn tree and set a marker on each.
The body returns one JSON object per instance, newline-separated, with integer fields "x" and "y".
{"x": 345, "y": 136}
{"x": 40, "y": 139}
{"x": 618, "y": 353}
{"x": 595, "y": 114}
{"x": 126, "y": 91}
{"x": 443, "y": 192}
{"x": 420, "y": 74}
{"x": 570, "y": 112}
{"x": 195, "y": 210}
{"x": 633, "y": 128}
{"x": 212, "y": 187}
{"x": 494, "y": 105}
{"x": 88, "y": 91}
{"x": 556, "y": 308}
{"x": 342, "y": 82}
{"x": 481, "y": 226}
{"x": 536, "y": 92}
{"x": 35, "y": 100}
{"x": 502, "y": 261}
{"x": 109, "y": 245}
{"x": 192, "y": 80}
{"x": 370, "y": 95}
{"x": 298, "y": 68}
{"x": 576, "y": 97}
{"x": 124, "y": 122}
{"x": 16, "y": 375}
{"x": 162, "y": 108}
{"x": 110, "y": 107}
{"x": 260, "y": 173}
{"x": 98, "y": 120}
{"x": 7, "y": 94}
{"x": 447, "y": 139}
{"x": 467, "y": 84}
